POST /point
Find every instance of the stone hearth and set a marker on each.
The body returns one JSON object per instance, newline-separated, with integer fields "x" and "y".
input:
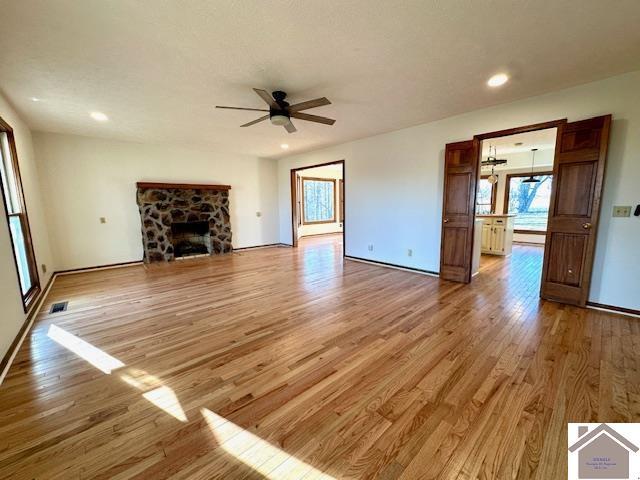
{"x": 162, "y": 205}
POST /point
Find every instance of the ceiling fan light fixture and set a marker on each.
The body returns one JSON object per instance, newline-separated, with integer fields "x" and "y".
{"x": 281, "y": 112}
{"x": 279, "y": 119}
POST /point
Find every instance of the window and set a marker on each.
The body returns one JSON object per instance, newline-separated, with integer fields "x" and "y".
{"x": 486, "y": 196}
{"x": 530, "y": 201}
{"x": 318, "y": 200}
{"x": 17, "y": 217}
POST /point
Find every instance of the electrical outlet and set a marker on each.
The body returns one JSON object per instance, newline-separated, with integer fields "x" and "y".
{"x": 409, "y": 252}
{"x": 370, "y": 247}
{"x": 621, "y": 211}
{"x": 44, "y": 268}
{"x": 103, "y": 220}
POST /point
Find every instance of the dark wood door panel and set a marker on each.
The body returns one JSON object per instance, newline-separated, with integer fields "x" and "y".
{"x": 566, "y": 253}
{"x": 574, "y": 196}
{"x": 456, "y": 201}
{"x": 579, "y": 164}
{"x": 454, "y": 251}
{"x": 582, "y": 135}
{"x": 458, "y": 210}
{"x": 459, "y": 157}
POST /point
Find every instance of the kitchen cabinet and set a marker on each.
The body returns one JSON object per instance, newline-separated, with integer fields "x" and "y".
{"x": 497, "y": 234}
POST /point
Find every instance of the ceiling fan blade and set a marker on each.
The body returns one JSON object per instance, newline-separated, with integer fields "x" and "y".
{"x": 318, "y": 102}
{"x": 265, "y": 117}
{"x": 243, "y": 108}
{"x": 313, "y": 118}
{"x": 290, "y": 127}
{"x": 263, "y": 94}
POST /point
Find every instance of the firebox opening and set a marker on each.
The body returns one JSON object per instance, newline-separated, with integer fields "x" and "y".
{"x": 191, "y": 238}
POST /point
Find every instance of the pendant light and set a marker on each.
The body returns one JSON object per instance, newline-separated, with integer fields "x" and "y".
{"x": 493, "y": 178}
{"x": 531, "y": 178}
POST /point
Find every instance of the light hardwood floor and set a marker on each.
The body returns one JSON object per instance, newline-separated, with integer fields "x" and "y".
{"x": 282, "y": 363}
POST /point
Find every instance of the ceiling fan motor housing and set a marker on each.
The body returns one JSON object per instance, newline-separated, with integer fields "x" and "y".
{"x": 279, "y": 116}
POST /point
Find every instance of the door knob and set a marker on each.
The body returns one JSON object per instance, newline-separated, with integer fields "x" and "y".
{"x": 446, "y": 220}
{"x": 586, "y": 226}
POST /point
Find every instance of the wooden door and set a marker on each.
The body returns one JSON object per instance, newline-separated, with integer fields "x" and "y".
{"x": 458, "y": 210}
{"x": 578, "y": 173}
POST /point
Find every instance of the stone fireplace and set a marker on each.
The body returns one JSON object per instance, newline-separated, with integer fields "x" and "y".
{"x": 181, "y": 220}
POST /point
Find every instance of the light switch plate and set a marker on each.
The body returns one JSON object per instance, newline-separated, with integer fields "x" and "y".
{"x": 621, "y": 211}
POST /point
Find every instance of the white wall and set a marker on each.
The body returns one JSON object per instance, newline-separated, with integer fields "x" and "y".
{"x": 330, "y": 172}
{"x": 12, "y": 315}
{"x": 88, "y": 178}
{"x": 394, "y": 194}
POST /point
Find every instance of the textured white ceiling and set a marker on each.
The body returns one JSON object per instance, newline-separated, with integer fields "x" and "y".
{"x": 157, "y": 67}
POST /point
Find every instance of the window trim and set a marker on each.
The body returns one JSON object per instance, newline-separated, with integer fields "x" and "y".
{"x": 28, "y": 298}
{"x": 494, "y": 192}
{"x": 505, "y": 205}
{"x": 319, "y": 222}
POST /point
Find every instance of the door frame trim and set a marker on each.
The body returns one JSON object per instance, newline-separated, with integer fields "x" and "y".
{"x": 524, "y": 129}
{"x": 294, "y": 200}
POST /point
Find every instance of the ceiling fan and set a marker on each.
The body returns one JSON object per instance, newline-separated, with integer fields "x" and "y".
{"x": 281, "y": 113}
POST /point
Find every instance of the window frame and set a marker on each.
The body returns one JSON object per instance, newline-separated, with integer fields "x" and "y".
{"x": 29, "y": 297}
{"x": 507, "y": 188}
{"x": 494, "y": 193}
{"x": 318, "y": 179}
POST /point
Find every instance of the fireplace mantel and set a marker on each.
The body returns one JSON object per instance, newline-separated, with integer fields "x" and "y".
{"x": 182, "y": 186}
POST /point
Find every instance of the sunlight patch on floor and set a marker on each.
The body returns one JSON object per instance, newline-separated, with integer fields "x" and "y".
{"x": 140, "y": 379}
{"x": 96, "y": 357}
{"x": 166, "y": 399}
{"x": 260, "y": 455}
{"x": 161, "y": 396}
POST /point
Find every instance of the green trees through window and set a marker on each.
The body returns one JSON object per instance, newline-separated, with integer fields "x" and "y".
{"x": 319, "y": 200}
{"x": 530, "y": 201}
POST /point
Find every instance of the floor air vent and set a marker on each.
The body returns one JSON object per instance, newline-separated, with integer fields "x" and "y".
{"x": 58, "y": 307}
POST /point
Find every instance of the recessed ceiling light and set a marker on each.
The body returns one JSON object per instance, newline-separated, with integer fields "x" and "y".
{"x": 35, "y": 99}
{"x": 284, "y": 146}
{"x": 99, "y": 116}
{"x": 498, "y": 79}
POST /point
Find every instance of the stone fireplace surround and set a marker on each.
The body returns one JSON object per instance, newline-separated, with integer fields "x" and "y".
{"x": 163, "y": 204}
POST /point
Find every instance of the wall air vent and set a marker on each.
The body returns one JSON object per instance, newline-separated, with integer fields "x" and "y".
{"x": 58, "y": 307}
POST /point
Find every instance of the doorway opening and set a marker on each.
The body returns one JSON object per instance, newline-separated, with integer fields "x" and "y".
{"x": 513, "y": 197}
{"x": 574, "y": 206}
{"x": 318, "y": 203}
